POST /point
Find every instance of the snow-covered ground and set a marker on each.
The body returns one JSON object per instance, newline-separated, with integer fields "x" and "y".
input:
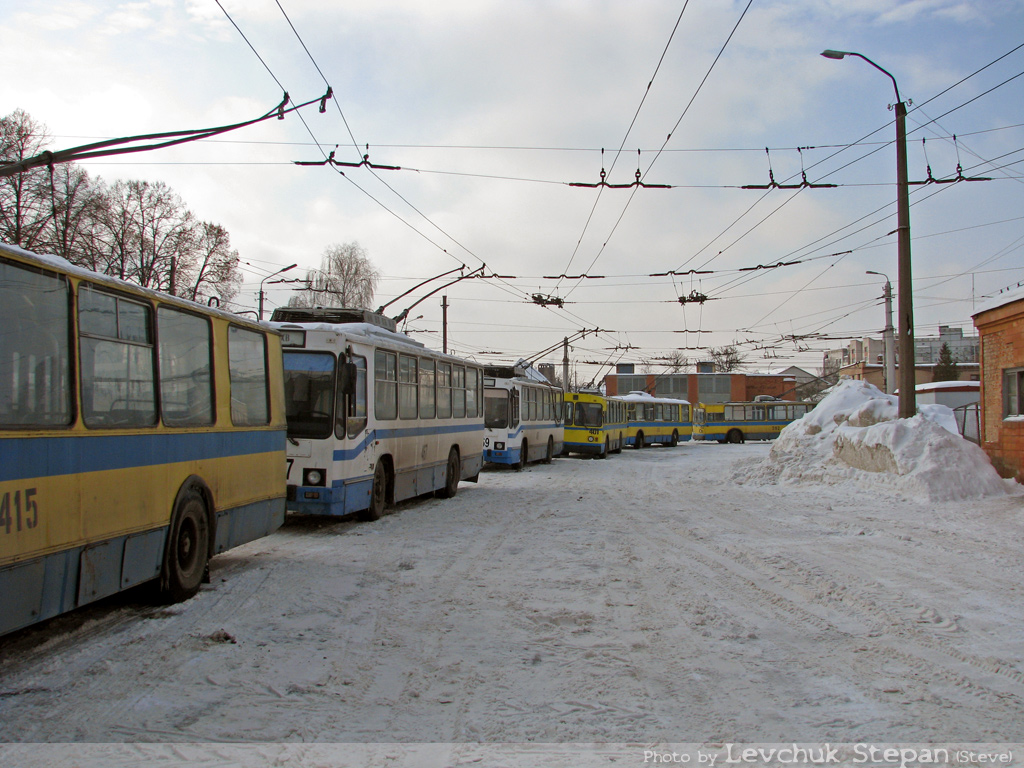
{"x": 703, "y": 594}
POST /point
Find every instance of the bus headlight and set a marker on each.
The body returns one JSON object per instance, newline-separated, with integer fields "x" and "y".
{"x": 498, "y": 446}
{"x": 313, "y": 477}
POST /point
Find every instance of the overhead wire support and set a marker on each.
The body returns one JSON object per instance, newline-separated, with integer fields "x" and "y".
{"x": 604, "y": 179}
{"x": 773, "y": 184}
{"x": 695, "y": 297}
{"x": 365, "y": 162}
{"x": 959, "y": 169}
{"x": 547, "y": 301}
{"x": 161, "y": 140}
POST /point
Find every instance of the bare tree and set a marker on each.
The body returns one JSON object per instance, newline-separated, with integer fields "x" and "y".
{"x": 212, "y": 267}
{"x": 677, "y": 362}
{"x": 346, "y": 278}
{"x": 24, "y": 197}
{"x": 77, "y": 207}
{"x": 727, "y": 358}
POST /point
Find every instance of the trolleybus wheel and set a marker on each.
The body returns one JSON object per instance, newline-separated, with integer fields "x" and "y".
{"x": 735, "y": 436}
{"x": 523, "y": 454}
{"x": 639, "y": 441}
{"x": 188, "y": 548}
{"x": 604, "y": 453}
{"x": 379, "y": 494}
{"x": 675, "y": 439}
{"x": 551, "y": 450}
{"x": 451, "y": 476}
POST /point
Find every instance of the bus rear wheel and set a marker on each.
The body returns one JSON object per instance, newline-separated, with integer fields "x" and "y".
{"x": 187, "y": 553}
{"x": 452, "y": 472}
{"x": 550, "y": 455}
{"x": 379, "y": 493}
{"x": 735, "y": 436}
{"x": 675, "y": 439}
{"x": 639, "y": 441}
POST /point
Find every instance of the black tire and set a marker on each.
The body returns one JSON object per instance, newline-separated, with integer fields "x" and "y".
{"x": 675, "y": 439}
{"x": 378, "y": 495}
{"x": 452, "y": 472}
{"x": 604, "y": 453}
{"x": 523, "y": 457}
{"x": 735, "y": 436}
{"x": 550, "y": 454}
{"x": 639, "y": 441}
{"x": 187, "y": 553}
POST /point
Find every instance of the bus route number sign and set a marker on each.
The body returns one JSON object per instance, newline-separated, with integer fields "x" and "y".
{"x": 19, "y": 510}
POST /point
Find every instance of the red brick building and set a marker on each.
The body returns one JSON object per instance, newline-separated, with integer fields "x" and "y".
{"x": 1001, "y": 328}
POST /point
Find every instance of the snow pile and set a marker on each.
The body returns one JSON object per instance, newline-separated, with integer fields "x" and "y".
{"x": 854, "y": 435}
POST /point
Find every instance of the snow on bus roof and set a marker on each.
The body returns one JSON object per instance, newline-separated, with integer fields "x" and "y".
{"x": 637, "y": 395}
{"x": 59, "y": 262}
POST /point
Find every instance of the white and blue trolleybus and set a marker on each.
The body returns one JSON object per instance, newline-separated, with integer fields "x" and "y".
{"x": 374, "y": 417}
{"x": 522, "y": 416}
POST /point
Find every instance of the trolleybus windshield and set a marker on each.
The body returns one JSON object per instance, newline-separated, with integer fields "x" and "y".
{"x": 309, "y": 393}
{"x": 496, "y": 408}
{"x": 588, "y": 415}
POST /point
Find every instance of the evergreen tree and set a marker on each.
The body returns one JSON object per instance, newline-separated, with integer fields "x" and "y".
{"x": 946, "y": 368}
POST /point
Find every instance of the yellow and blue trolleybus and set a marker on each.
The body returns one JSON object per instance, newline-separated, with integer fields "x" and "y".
{"x": 140, "y": 434}
{"x": 656, "y": 420}
{"x": 595, "y": 425}
{"x": 739, "y": 422}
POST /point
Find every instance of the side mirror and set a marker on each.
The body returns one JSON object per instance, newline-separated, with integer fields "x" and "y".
{"x": 347, "y": 382}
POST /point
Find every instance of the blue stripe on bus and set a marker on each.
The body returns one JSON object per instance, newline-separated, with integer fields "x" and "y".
{"x": 67, "y": 455}
{"x": 347, "y": 454}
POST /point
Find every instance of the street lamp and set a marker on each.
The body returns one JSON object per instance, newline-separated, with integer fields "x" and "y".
{"x": 908, "y": 368}
{"x": 890, "y": 348}
{"x": 272, "y": 274}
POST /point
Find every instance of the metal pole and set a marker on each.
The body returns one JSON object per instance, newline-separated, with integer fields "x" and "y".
{"x": 908, "y": 367}
{"x": 565, "y": 364}
{"x": 908, "y": 362}
{"x": 890, "y": 345}
{"x": 444, "y": 324}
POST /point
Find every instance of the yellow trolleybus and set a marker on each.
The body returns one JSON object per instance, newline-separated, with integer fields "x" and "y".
{"x": 594, "y": 424}
{"x": 738, "y": 422}
{"x": 140, "y": 434}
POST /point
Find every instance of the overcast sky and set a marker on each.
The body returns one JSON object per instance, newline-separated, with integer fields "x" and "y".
{"x": 493, "y": 110}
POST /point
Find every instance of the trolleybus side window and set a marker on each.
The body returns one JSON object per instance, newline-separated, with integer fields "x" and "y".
{"x": 351, "y": 408}
{"x": 116, "y": 347}
{"x": 34, "y": 361}
{"x": 472, "y": 392}
{"x": 309, "y": 393}
{"x": 444, "y": 390}
{"x": 428, "y": 400}
{"x": 408, "y": 383}
{"x": 186, "y": 384}
{"x": 385, "y": 390}
{"x": 459, "y": 392}
{"x": 247, "y": 366}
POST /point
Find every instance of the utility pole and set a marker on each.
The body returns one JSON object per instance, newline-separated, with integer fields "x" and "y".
{"x": 444, "y": 324}
{"x": 565, "y": 365}
{"x": 904, "y": 288}
{"x": 887, "y": 336}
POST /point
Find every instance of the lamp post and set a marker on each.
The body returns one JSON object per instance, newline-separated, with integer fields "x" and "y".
{"x": 890, "y": 348}
{"x": 904, "y": 287}
{"x": 272, "y": 274}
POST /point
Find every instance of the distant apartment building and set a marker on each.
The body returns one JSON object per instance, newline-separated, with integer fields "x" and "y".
{"x": 864, "y": 359}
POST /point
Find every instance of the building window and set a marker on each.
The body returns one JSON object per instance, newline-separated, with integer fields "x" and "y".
{"x": 1013, "y": 387}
